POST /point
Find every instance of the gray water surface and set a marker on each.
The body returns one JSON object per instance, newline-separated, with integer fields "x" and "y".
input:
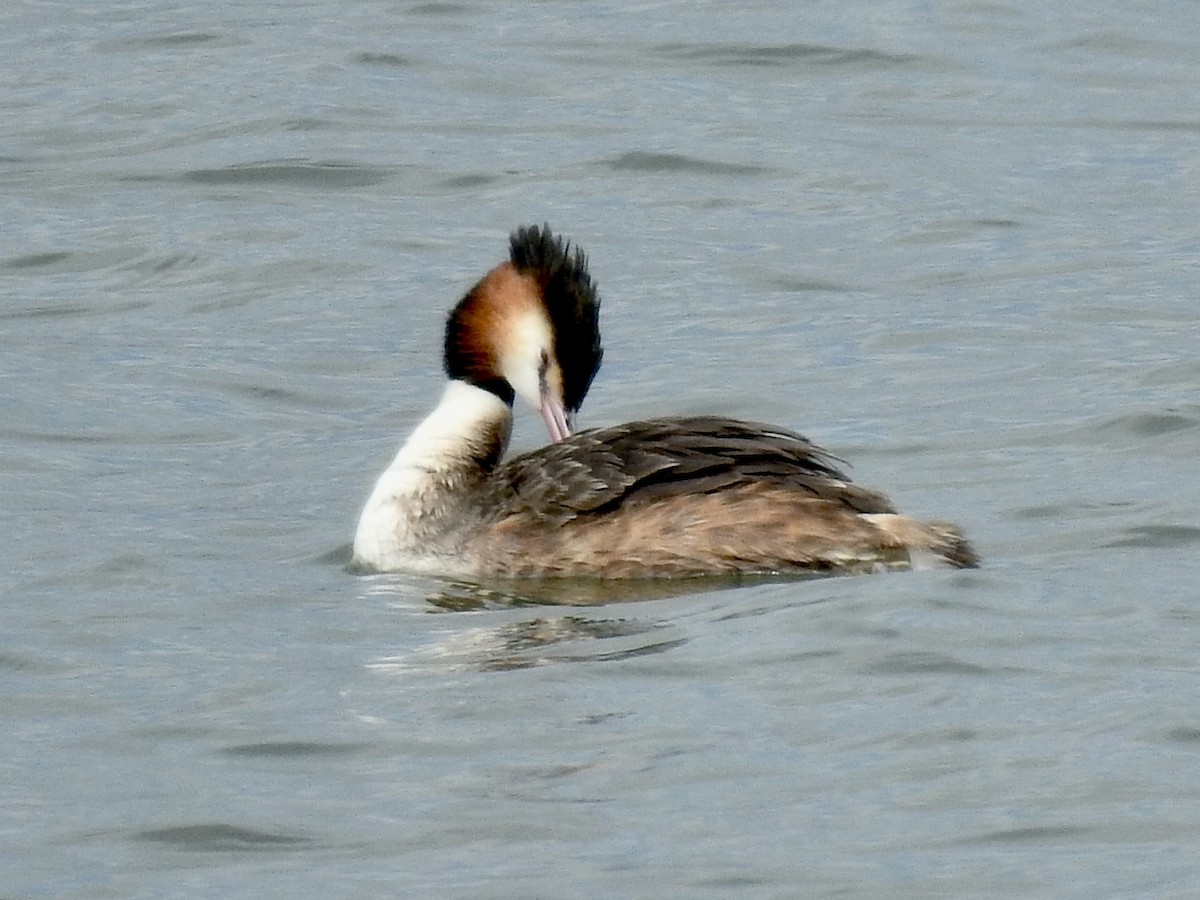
{"x": 955, "y": 243}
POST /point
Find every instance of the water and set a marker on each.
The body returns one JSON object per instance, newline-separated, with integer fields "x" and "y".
{"x": 955, "y": 243}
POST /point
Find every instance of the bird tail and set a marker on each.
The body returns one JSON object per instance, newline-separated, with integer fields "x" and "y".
{"x": 940, "y": 540}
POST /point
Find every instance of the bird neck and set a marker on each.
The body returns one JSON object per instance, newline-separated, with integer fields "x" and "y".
{"x": 467, "y": 432}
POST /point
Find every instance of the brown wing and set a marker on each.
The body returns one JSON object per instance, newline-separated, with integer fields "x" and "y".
{"x": 646, "y": 462}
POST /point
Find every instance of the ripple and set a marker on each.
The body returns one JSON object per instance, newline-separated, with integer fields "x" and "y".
{"x": 129, "y": 266}
{"x": 182, "y": 40}
{"x": 441, "y": 9}
{"x": 468, "y": 182}
{"x": 948, "y": 231}
{"x": 641, "y": 161}
{"x": 1158, "y": 536}
{"x": 294, "y": 749}
{"x": 36, "y": 260}
{"x": 66, "y": 262}
{"x": 186, "y": 39}
{"x": 1154, "y": 424}
{"x": 323, "y": 175}
{"x": 924, "y": 663}
{"x": 799, "y": 284}
{"x": 23, "y": 663}
{"x": 389, "y": 60}
{"x": 266, "y": 390}
{"x": 1034, "y": 834}
{"x": 1184, "y": 734}
{"x": 1158, "y": 427}
{"x": 1173, "y": 374}
{"x": 1072, "y": 510}
{"x": 815, "y": 55}
{"x": 123, "y": 438}
{"x": 220, "y": 838}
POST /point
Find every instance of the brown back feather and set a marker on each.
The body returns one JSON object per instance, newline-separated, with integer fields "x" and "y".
{"x": 647, "y": 462}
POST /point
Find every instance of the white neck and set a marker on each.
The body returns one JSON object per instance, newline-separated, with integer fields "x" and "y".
{"x": 416, "y": 499}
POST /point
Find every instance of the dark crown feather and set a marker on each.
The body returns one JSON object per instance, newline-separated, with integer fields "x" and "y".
{"x": 571, "y": 300}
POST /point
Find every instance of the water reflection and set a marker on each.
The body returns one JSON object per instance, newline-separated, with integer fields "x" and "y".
{"x": 468, "y": 596}
{"x": 537, "y": 642}
{"x": 454, "y": 595}
{"x": 542, "y": 637}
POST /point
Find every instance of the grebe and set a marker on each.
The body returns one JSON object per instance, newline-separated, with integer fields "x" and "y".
{"x": 662, "y": 497}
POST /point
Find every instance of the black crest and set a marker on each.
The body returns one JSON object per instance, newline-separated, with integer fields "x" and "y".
{"x": 572, "y": 301}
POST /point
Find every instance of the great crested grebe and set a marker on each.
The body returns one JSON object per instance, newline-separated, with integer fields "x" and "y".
{"x": 663, "y": 497}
